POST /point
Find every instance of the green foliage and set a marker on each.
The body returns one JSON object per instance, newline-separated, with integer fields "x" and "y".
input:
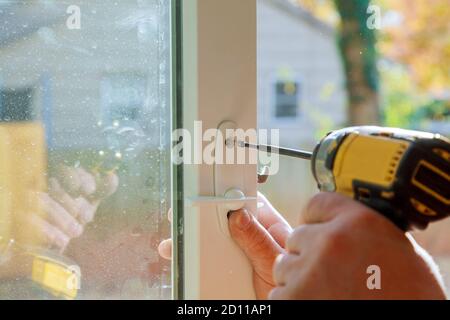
{"x": 399, "y": 101}
{"x": 403, "y": 106}
{"x": 436, "y": 110}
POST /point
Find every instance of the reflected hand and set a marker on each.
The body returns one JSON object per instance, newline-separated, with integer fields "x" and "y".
{"x": 71, "y": 203}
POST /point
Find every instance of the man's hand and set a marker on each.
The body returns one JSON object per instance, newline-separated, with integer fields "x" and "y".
{"x": 328, "y": 257}
{"x": 262, "y": 239}
{"x": 165, "y": 247}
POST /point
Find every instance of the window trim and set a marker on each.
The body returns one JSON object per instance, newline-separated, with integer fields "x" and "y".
{"x": 219, "y": 37}
{"x": 177, "y": 170}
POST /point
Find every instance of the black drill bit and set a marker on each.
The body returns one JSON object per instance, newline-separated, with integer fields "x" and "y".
{"x": 282, "y": 151}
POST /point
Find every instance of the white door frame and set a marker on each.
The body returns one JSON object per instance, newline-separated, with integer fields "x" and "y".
{"x": 219, "y": 83}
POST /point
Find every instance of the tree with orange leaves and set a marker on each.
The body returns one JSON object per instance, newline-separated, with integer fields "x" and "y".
{"x": 420, "y": 39}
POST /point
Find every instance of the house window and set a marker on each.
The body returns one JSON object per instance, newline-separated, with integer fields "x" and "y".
{"x": 286, "y": 99}
{"x": 16, "y": 104}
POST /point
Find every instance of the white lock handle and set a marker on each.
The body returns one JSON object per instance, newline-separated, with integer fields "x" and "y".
{"x": 233, "y": 199}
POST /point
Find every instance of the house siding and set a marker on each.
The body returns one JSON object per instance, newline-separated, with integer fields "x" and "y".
{"x": 307, "y": 50}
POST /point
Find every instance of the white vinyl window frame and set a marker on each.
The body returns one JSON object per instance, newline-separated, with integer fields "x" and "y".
{"x": 219, "y": 84}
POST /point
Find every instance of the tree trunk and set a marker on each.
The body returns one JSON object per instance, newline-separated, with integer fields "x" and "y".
{"x": 357, "y": 47}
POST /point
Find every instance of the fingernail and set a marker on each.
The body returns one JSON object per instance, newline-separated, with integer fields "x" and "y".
{"x": 243, "y": 219}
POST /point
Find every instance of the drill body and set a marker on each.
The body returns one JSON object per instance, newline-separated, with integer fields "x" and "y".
{"x": 403, "y": 174}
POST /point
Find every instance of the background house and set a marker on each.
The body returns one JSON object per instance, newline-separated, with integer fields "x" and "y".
{"x": 301, "y": 92}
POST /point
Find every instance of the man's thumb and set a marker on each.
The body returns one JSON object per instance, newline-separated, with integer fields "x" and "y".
{"x": 256, "y": 242}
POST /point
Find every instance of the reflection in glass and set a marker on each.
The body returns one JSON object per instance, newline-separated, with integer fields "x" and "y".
{"x": 84, "y": 149}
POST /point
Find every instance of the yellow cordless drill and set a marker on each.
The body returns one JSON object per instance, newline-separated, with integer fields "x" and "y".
{"x": 403, "y": 174}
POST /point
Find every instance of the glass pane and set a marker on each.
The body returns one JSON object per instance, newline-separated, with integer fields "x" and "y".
{"x": 85, "y": 181}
